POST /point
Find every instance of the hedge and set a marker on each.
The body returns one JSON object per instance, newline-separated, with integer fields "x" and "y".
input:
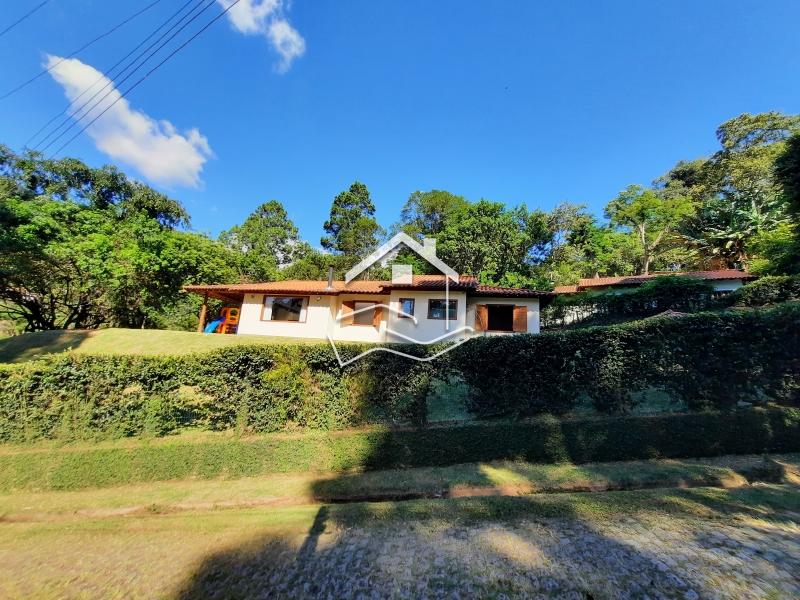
{"x": 670, "y": 292}
{"x": 543, "y": 440}
{"x": 683, "y": 294}
{"x": 257, "y": 388}
{"x": 764, "y": 291}
{"x": 707, "y": 361}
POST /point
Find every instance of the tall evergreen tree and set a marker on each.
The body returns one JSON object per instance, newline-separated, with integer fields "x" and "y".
{"x": 352, "y": 229}
{"x": 268, "y": 240}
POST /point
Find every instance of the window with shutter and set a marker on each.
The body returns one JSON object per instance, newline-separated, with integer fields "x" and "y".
{"x": 520, "y": 319}
{"x": 481, "y": 317}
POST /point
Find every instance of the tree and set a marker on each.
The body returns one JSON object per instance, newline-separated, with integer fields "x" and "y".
{"x": 787, "y": 174}
{"x": 427, "y": 213}
{"x": 738, "y": 194}
{"x": 652, "y": 215}
{"x": 495, "y": 244}
{"x": 352, "y": 229}
{"x": 84, "y": 247}
{"x": 267, "y": 240}
{"x": 604, "y": 250}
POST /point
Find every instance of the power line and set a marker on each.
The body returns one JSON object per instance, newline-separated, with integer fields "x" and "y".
{"x": 81, "y": 49}
{"x": 108, "y": 74}
{"x": 99, "y": 79}
{"x": 150, "y": 72}
{"x": 23, "y": 17}
{"x": 171, "y": 35}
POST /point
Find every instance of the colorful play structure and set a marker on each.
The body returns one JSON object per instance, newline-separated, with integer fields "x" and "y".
{"x": 226, "y": 322}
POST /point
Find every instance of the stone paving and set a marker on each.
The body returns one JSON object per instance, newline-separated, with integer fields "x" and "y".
{"x": 556, "y": 558}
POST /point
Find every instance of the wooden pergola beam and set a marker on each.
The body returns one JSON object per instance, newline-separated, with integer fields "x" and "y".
{"x": 202, "y": 322}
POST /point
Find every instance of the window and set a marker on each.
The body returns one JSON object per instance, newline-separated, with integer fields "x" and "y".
{"x": 438, "y": 308}
{"x": 407, "y": 306}
{"x": 284, "y": 308}
{"x": 366, "y": 317}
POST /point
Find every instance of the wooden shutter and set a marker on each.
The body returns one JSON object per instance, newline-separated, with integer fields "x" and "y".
{"x": 348, "y": 306}
{"x": 377, "y": 316}
{"x": 520, "y": 319}
{"x": 481, "y": 317}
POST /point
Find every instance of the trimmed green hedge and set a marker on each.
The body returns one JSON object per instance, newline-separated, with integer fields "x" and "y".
{"x": 707, "y": 361}
{"x": 764, "y": 291}
{"x": 670, "y": 292}
{"x": 257, "y": 388}
{"x": 545, "y": 440}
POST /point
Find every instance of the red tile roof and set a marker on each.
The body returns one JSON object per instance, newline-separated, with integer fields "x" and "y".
{"x": 628, "y": 280}
{"x": 565, "y": 289}
{"x": 232, "y": 292}
{"x": 493, "y": 290}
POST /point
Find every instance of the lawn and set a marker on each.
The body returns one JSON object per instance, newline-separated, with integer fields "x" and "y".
{"x": 491, "y": 529}
{"x": 465, "y": 480}
{"x": 146, "y": 342}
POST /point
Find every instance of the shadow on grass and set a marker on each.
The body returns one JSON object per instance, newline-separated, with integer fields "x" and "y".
{"x": 28, "y": 346}
{"x": 528, "y": 546}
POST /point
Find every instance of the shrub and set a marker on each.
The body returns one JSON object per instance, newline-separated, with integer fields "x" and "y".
{"x": 544, "y": 440}
{"x": 764, "y": 291}
{"x": 685, "y": 294}
{"x": 705, "y": 360}
{"x": 252, "y": 388}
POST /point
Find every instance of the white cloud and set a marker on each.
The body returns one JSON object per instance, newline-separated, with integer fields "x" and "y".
{"x": 155, "y": 148}
{"x": 266, "y": 17}
{"x": 288, "y": 43}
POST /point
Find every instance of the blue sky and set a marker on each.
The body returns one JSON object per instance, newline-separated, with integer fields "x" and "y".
{"x": 520, "y": 102}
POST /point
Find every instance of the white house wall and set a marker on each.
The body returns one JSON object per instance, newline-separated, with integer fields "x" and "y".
{"x": 358, "y": 333}
{"x": 322, "y": 312}
{"x": 425, "y": 330}
{"x": 726, "y": 285}
{"x": 318, "y": 318}
{"x": 532, "y": 305}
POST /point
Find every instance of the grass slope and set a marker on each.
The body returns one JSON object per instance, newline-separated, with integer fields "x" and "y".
{"x": 149, "y": 342}
{"x": 467, "y": 480}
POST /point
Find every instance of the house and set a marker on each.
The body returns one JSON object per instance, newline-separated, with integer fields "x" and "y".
{"x": 723, "y": 281}
{"x": 415, "y": 308}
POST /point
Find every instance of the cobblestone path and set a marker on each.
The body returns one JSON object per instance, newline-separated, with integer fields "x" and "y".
{"x": 556, "y": 558}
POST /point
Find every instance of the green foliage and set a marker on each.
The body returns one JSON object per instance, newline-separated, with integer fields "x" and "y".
{"x": 83, "y": 247}
{"x": 765, "y": 291}
{"x": 787, "y": 173}
{"x": 651, "y": 214}
{"x": 544, "y": 440}
{"x": 496, "y": 244}
{"x": 738, "y": 193}
{"x": 267, "y": 240}
{"x": 352, "y": 228}
{"x": 427, "y": 213}
{"x": 249, "y": 388}
{"x": 672, "y": 292}
{"x": 705, "y": 360}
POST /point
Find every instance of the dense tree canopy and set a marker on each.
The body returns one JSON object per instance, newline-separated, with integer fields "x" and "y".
{"x": 87, "y": 247}
{"x": 492, "y": 242}
{"x": 84, "y": 247}
{"x": 352, "y": 229}
{"x": 651, "y": 216}
{"x": 427, "y": 213}
{"x": 267, "y": 240}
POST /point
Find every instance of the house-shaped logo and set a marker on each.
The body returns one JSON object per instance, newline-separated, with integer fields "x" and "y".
{"x": 402, "y": 275}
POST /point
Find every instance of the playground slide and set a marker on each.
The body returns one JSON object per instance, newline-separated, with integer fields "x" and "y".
{"x": 211, "y": 327}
